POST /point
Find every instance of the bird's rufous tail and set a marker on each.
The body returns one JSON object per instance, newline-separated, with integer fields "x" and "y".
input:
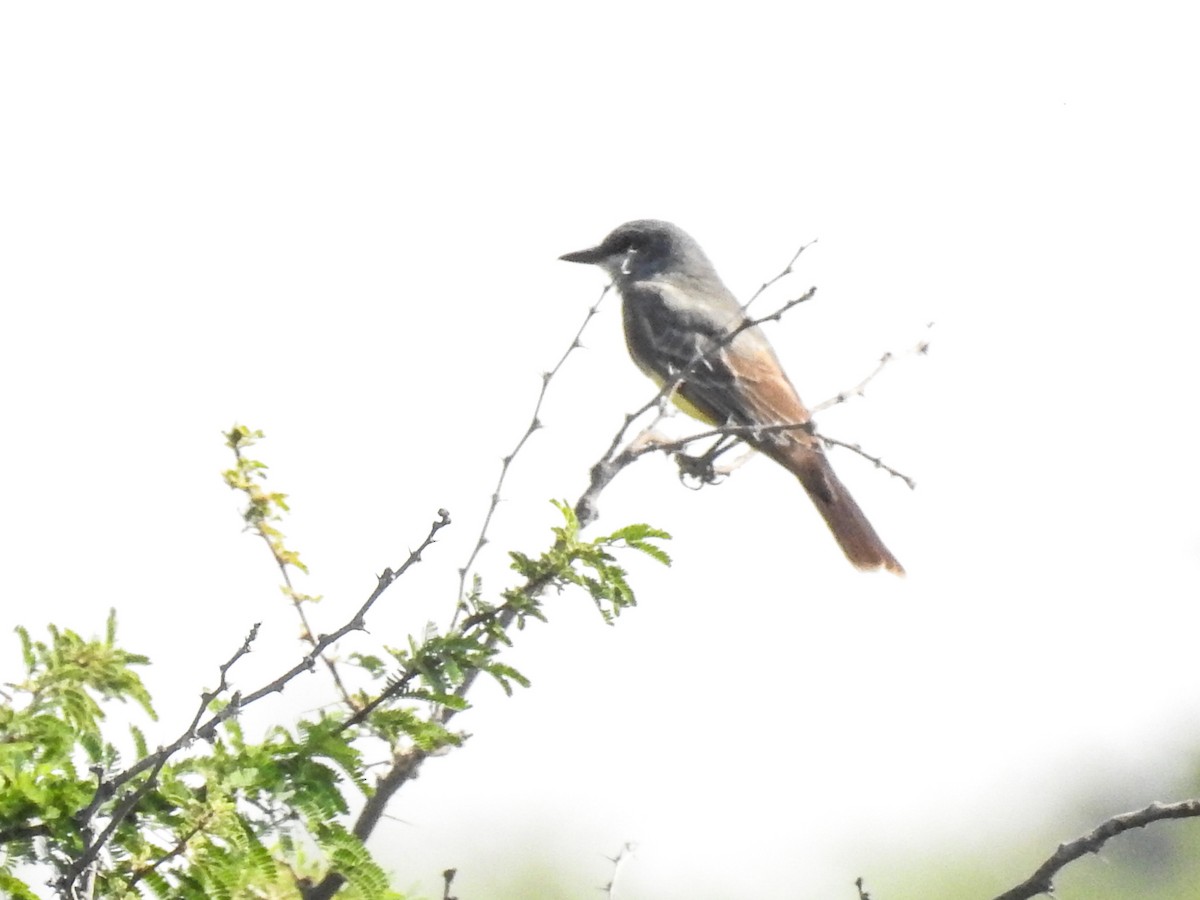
{"x": 849, "y": 525}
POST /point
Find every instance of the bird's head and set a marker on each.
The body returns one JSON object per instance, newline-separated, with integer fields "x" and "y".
{"x": 642, "y": 249}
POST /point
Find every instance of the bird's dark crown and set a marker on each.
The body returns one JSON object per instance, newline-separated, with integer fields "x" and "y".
{"x": 644, "y": 247}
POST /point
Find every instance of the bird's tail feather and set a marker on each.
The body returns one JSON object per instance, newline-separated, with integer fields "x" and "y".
{"x": 849, "y": 525}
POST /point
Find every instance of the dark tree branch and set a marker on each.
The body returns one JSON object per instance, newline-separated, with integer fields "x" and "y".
{"x": 406, "y": 763}
{"x": 1042, "y": 880}
{"x": 154, "y": 762}
{"x": 405, "y": 766}
{"x": 106, "y": 788}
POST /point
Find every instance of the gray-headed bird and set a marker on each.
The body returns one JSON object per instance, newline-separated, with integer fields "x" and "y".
{"x": 678, "y": 320}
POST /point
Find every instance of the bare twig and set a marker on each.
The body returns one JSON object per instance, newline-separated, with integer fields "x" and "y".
{"x": 758, "y": 431}
{"x": 862, "y": 891}
{"x": 878, "y": 463}
{"x": 534, "y": 424}
{"x": 357, "y": 622}
{"x": 1042, "y": 880}
{"x": 626, "y": 851}
{"x": 920, "y": 348}
{"x": 787, "y": 270}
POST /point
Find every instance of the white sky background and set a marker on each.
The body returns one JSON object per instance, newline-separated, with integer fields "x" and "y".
{"x": 340, "y": 225}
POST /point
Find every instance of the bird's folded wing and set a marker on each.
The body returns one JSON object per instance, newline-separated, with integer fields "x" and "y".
{"x": 738, "y": 381}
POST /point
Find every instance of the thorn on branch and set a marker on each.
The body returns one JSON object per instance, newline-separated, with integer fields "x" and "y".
{"x": 877, "y": 461}
{"x": 859, "y": 389}
{"x": 1042, "y": 880}
{"x": 534, "y": 425}
{"x": 622, "y": 856}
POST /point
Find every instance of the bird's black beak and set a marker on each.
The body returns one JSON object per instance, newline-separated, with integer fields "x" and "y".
{"x": 592, "y": 255}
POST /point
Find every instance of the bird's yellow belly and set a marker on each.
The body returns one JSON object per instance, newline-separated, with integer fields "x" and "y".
{"x": 679, "y": 400}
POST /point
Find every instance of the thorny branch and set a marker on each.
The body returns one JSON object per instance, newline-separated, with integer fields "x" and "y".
{"x": 878, "y": 463}
{"x": 1042, "y": 880}
{"x": 626, "y": 851}
{"x": 770, "y": 282}
{"x": 920, "y": 348}
{"x": 154, "y": 762}
{"x": 534, "y": 424}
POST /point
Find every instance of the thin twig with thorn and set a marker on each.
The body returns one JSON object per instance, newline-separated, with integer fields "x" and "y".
{"x": 918, "y": 349}
{"x": 787, "y": 270}
{"x": 1042, "y": 880}
{"x": 534, "y": 424}
{"x": 878, "y": 463}
{"x": 626, "y": 851}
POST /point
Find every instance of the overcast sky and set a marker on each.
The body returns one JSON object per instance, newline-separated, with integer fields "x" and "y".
{"x": 341, "y": 223}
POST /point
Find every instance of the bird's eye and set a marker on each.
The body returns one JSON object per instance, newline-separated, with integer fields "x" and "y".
{"x": 627, "y": 263}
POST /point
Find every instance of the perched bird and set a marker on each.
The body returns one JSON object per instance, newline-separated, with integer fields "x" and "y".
{"x": 678, "y": 320}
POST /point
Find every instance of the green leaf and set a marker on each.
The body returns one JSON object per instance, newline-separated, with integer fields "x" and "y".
{"x": 14, "y": 888}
